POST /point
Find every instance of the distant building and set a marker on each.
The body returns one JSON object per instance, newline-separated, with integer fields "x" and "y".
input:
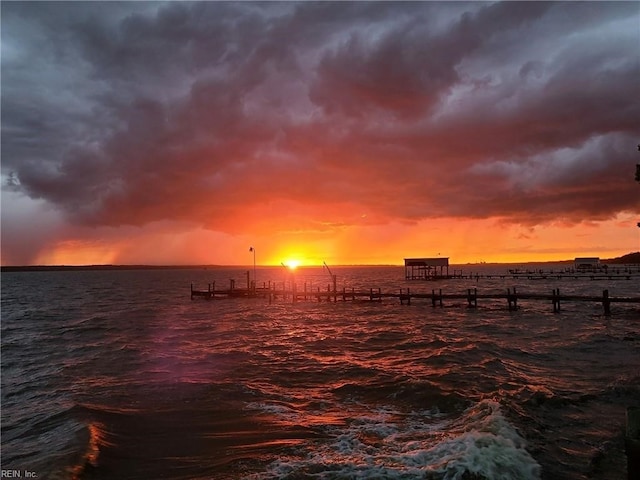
{"x": 586, "y": 263}
{"x": 426, "y": 268}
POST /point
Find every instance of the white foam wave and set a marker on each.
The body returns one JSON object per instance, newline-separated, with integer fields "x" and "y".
{"x": 481, "y": 442}
{"x": 388, "y": 444}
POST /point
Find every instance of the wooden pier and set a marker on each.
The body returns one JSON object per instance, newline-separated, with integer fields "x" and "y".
{"x": 433, "y": 269}
{"x": 551, "y": 276}
{"x": 535, "y": 275}
{"x": 292, "y": 292}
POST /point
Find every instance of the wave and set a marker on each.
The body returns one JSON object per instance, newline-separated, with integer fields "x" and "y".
{"x": 480, "y": 443}
{"x": 58, "y": 445}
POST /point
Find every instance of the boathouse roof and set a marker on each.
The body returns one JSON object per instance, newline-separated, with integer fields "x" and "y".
{"x": 427, "y": 262}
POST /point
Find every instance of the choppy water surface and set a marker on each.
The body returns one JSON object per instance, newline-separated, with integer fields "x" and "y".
{"x": 118, "y": 374}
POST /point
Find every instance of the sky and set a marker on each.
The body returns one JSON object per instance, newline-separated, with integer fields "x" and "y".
{"x": 344, "y": 132}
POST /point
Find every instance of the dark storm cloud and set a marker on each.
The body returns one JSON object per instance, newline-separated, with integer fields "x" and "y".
{"x": 410, "y": 67}
{"x": 127, "y": 113}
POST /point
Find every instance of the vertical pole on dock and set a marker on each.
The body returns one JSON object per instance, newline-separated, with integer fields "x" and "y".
{"x": 472, "y": 298}
{"x": 433, "y": 298}
{"x": 191, "y": 291}
{"x": 335, "y": 293}
{"x": 606, "y": 303}
{"x": 556, "y": 300}
{"x": 632, "y": 443}
{"x": 512, "y": 299}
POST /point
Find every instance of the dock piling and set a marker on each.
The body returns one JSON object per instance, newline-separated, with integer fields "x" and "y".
{"x": 472, "y": 298}
{"x": 436, "y": 298}
{"x": 556, "y": 300}
{"x": 512, "y": 299}
{"x": 606, "y": 303}
{"x": 405, "y": 296}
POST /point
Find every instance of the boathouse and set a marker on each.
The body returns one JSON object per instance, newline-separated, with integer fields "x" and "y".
{"x": 426, "y": 268}
{"x": 586, "y": 263}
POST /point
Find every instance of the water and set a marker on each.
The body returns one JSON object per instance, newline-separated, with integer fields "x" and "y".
{"x": 118, "y": 374}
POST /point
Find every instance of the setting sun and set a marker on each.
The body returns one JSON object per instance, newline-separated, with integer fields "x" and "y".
{"x": 291, "y": 264}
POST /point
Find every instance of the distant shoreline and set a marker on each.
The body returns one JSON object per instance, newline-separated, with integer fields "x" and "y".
{"x": 629, "y": 259}
{"x": 64, "y": 268}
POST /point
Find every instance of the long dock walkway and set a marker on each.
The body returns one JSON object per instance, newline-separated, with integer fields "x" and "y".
{"x": 273, "y": 292}
{"x": 550, "y": 275}
{"x": 538, "y": 275}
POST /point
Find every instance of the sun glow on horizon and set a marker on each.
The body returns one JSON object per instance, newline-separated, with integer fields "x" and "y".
{"x": 292, "y": 263}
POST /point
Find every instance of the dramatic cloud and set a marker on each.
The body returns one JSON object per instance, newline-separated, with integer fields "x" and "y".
{"x": 246, "y": 117}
